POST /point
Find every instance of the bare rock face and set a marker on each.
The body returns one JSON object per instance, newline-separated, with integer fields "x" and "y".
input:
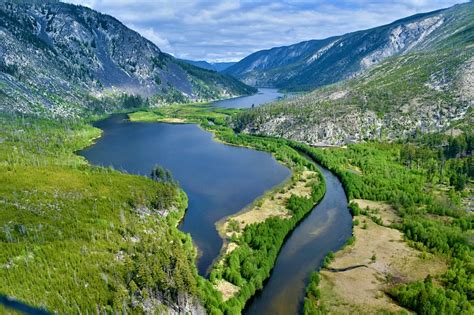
{"x": 316, "y": 63}
{"x": 403, "y": 38}
{"x": 466, "y": 81}
{"x": 156, "y": 304}
{"x": 54, "y": 55}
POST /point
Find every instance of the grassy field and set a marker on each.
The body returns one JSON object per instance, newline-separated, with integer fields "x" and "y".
{"x": 196, "y": 113}
{"x": 387, "y": 261}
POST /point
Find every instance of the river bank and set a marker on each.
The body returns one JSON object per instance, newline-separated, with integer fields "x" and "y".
{"x": 304, "y": 190}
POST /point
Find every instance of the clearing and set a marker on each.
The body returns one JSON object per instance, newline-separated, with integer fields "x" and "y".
{"x": 270, "y": 205}
{"x": 387, "y": 260}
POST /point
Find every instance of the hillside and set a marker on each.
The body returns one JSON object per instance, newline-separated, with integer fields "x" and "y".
{"x": 58, "y": 59}
{"x": 420, "y": 91}
{"x": 221, "y": 66}
{"x": 311, "y": 64}
{"x": 82, "y": 239}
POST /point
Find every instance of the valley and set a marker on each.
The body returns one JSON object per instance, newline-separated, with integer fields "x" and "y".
{"x": 192, "y": 223}
{"x": 330, "y": 176}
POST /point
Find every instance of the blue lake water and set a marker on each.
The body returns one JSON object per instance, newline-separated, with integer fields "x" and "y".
{"x": 263, "y": 96}
{"x": 219, "y": 179}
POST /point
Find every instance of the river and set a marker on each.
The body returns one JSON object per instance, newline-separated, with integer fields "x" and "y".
{"x": 220, "y": 180}
{"x": 326, "y": 229}
{"x": 263, "y": 96}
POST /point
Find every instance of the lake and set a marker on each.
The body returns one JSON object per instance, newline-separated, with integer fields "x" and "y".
{"x": 219, "y": 179}
{"x": 263, "y": 96}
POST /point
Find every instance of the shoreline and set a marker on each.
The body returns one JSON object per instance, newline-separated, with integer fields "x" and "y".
{"x": 244, "y": 216}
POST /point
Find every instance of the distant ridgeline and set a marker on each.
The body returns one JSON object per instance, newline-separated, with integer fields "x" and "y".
{"x": 60, "y": 60}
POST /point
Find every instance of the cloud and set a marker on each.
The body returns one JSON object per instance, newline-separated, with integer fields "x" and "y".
{"x": 150, "y": 34}
{"x": 229, "y": 30}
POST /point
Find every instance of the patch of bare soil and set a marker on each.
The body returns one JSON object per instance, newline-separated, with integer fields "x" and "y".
{"x": 171, "y": 120}
{"x": 389, "y": 261}
{"x": 226, "y": 288}
{"x": 272, "y": 204}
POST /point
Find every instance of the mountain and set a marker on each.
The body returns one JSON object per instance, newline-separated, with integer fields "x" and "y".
{"x": 60, "y": 59}
{"x": 221, "y": 66}
{"x": 315, "y": 63}
{"x": 200, "y": 63}
{"x": 428, "y": 88}
{"x": 216, "y": 66}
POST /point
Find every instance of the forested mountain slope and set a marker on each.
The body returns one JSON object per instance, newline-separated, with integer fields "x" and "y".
{"x": 56, "y": 58}
{"x": 315, "y": 63}
{"x": 427, "y": 90}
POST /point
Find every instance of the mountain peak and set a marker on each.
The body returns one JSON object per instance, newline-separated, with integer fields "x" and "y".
{"x": 311, "y": 64}
{"x": 81, "y": 53}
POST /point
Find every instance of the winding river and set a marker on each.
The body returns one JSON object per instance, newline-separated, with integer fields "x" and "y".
{"x": 326, "y": 229}
{"x": 220, "y": 180}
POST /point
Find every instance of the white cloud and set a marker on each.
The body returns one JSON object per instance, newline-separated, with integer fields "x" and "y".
{"x": 229, "y": 30}
{"x": 150, "y": 34}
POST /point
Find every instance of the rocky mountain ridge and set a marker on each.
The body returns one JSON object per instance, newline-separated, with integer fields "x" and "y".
{"x": 57, "y": 59}
{"x": 311, "y": 64}
{"x": 427, "y": 90}
{"x": 215, "y": 66}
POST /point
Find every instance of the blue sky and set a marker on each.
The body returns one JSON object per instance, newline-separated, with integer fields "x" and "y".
{"x": 230, "y": 30}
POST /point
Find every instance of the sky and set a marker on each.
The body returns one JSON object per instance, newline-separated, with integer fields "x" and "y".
{"x": 229, "y": 30}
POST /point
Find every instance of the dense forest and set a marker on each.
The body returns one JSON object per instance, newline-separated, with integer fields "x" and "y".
{"x": 69, "y": 232}
{"x": 87, "y": 226}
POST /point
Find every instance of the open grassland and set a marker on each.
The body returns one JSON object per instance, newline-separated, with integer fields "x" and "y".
{"x": 384, "y": 260}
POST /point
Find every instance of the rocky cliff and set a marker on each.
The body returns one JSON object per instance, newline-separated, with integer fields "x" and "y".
{"x": 58, "y": 59}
